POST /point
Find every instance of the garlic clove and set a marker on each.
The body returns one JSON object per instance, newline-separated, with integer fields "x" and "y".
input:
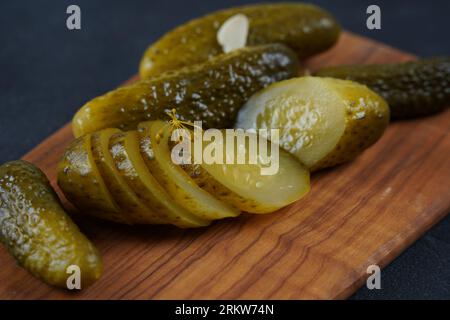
{"x": 233, "y": 33}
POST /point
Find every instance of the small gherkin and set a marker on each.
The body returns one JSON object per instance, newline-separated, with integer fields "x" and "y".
{"x": 37, "y": 231}
{"x": 412, "y": 89}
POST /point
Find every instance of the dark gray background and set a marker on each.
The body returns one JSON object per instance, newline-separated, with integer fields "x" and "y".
{"x": 47, "y": 72}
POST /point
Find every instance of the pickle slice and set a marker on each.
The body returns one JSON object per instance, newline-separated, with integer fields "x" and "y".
{"x": 322, "y": 121}
{"x": 200, "y": 176}
{"x": 132, "y": 209}
{"x": 208, "y": 183}
{"x": 183, "y": 189}
{"x": 37, "y": 231}
{"x": 79, "y": 178}
{"x": 287, "y": 182}
{"x": 124, "y": 149}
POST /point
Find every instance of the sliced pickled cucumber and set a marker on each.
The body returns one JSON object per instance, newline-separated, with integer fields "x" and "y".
{"x": 210, "y": 184}
{"x": 412, "y": 89}
{"x": 322, "y": 121}
{"x": 37, "y": 231}
{"x": 148, "y": 154}
{"x": 207, "y": 182}
{"x": 183, "y": 189}
{"x": 82, "y": 184}
{"x": 212, "y": 92}
{"x": 200, "y": 176}
{"x": 244, "y": 184}
{"x": 132, "y": 209}
{"x": 305, "y": 28}
{"x": 124, "y": 148}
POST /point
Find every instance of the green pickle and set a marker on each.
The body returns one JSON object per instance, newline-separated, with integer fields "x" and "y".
{"x": 83, "y": 185}
{"x": 37, "y": 231}
{"x": 111, "y": 168}
{"x": 412, "y": 89}
{"x": 121, "y": 192}
{"x": 305, "y": 28}
{"x": 131, "y": 166}
{"x": 212, "y": 92}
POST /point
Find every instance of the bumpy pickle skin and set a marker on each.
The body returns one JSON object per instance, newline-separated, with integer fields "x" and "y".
{"x": 79, "y": 179}
{"x": 306, "y": 29}
{"x": 37, "y": 231}
{"x": 367, "y": 116}
{"x": 212, "y": 92}
{"x": 412, "y": 89}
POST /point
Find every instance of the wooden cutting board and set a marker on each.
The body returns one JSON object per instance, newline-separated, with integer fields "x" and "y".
{"x": 362, "y": 213}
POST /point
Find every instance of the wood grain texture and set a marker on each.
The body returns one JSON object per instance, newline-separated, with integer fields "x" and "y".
{"x": 362, "y": 213}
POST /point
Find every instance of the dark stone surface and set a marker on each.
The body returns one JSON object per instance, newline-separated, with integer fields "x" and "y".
{"x": 47, "y": 72}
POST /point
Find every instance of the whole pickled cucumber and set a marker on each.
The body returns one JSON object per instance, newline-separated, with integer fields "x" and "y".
{"x": 212, "y": 92}
{"x": 37, "y": 231}
{"x": 412, "y": 89}
{"x": 306, "y": 29}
